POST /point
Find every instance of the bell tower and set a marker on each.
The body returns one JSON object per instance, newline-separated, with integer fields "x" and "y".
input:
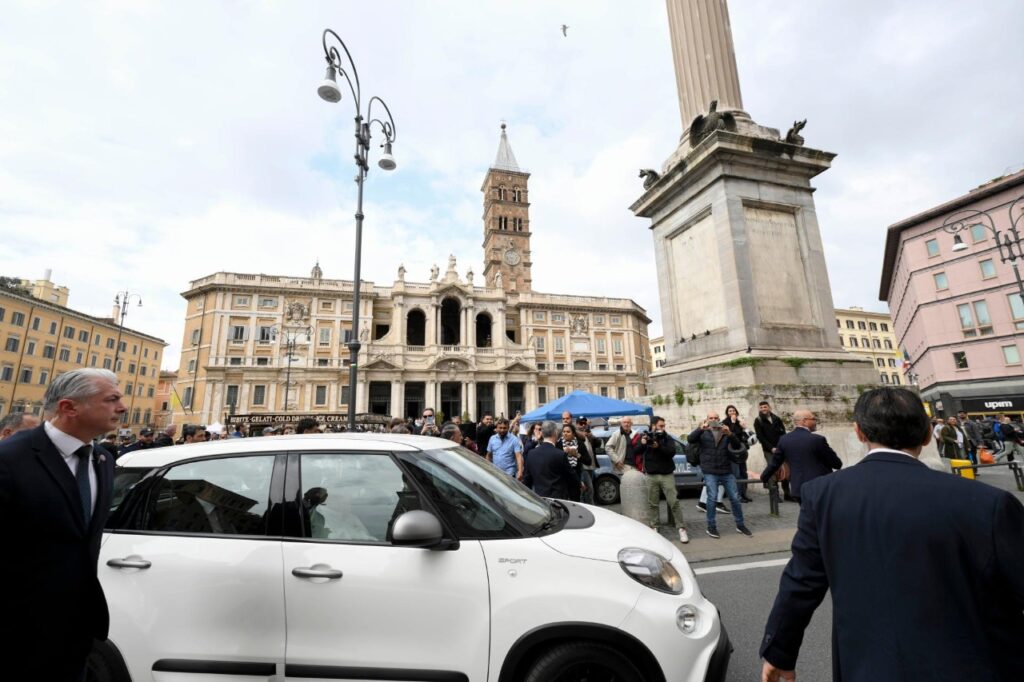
{"x": 506, "y": 222}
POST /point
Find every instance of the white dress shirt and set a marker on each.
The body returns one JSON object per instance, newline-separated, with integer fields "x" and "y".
{"x": 66, "y": 446}
{"x": 897, "y": 452}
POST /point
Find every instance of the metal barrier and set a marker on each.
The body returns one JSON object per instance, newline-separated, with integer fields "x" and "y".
{"x": 1015, "y": 467}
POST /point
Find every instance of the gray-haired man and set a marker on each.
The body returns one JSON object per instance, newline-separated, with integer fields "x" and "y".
{"x": 54, "y": 500}
{"x": 17, "y": 421}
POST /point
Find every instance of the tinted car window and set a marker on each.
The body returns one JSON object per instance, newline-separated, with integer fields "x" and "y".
{"x": 125, "y": 479}
{"x": 227, "y": 496}
{"x": 353, "y": 497}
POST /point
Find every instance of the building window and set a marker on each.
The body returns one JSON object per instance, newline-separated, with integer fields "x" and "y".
{"x": 131, "y": 368}
{"x": 621, "y": 392}
{"x": 324, "y": 336}
{"x": 539, "y": 316}
{"x": 1017, "y": 310}
{"x": 35, "y": 323}
{"x": 941, "y": 281}
{"x": 259, "y": 395}
{"x": 542, "y": 366}
{"x": 602, "y": 367}
{"x": 620, "y": 368}
{"x": 888, "y": 344}
{"x": 191, "y": 366}
{"x": 95, "y": 358}
{"x": 195, "y": 337}
{"x": 69, "y": 332}
{"x": 981, "y": 316}
{"x": 241, "y": 300}
{"x": 861, "y": 325}
{"x": 978, "y": 233}
{"x": 231, "y": 396}
{"x": 123, "y": 346}
{"x": 885, "y": 327}
{"x": 83, "y": 336}
{"x": 540, "y": 343}
{"x": 142, "y": 370}
{"x": 128, "y": 389}
{"x": 186, "y": 397}
{"x": 598, "y": 319}
{"x": 602, "y": 347}
{"x": 266, "y": 334}
{"x": 3, "y": 312}
{"x": 110, "y": 343}
{"x": 327, "y": 305}
{"x": 7, "y": 373}
{"x": 235, "y": 361}
{"x": 560, "y": 391}
{"x": 65, "y": 355}
{"x": 343, "y": 395}
{"x": 557, "y": 317}
{"x": 323, "y": 362}
{"x": 149, "y": 393}
{"x": 872, "y": 326}
{"x": 880, "y": 362}
{"x": 559, "y": 344}
{"x": 53, "y": 328}
{"x": 876, "y": 343}
{"x": 145, "y": 351}
{"x": 237, "y": 333}
{"x": 107, "y": 362}
{"x": 849, "y": 324}
{"x": 885, "y": 378}
{"x": 838, "y": 323}
{"x": 30, "y": 348}
{"x": 853, "y": 342}
{"x": 864, "y": 342}
{"x": 960, "y": 360}
{"x": 262, "y": 361}
{"x": 18, "y": 319}
{"x": 542, "y": 394}
{"x": 79, "y": 357}
{"x": 604, "y": 391}
{"x": 617, "y": 346}
{"x": 26, "y": 375}
{"x": 892, "y": 362}
{"x": 933, "y": 247}
{"x": 268, "y": 302}
{"x": 559, "y": 366}
{"x": 616, "y": 320}
{"x": 321, "y": 395}
{"x": 43, "y": 377}
{"x": 988, "y": 269}
{"x": 1011, "y": 355}
{"x": 841, "y": 342}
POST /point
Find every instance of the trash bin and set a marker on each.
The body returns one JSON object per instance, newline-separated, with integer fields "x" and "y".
{"x": 966, "y": 473}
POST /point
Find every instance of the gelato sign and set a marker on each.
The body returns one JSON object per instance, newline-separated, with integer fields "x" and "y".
{"x": 329, "y": 418}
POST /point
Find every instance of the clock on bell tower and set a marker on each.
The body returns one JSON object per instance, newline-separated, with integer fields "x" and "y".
{"x": 506, "y": 222}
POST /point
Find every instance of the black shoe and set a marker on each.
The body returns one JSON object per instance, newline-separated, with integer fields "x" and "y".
{"x": 745, "y": 499}
{"x": 703, "y": 507}
{"x": 713, "y": 532}
{"x": 744, "y": 530}
{"x": 789, "y": 498}
{"x": 722, "y": 508}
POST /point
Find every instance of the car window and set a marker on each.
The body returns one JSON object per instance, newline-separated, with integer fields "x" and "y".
{"x": 125, "y": 479}
{"x": 228, "y": 496}
{"x": 353, "y": 497}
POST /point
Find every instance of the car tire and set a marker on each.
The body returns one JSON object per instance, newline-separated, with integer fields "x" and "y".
{"x": 581, "y": 661}
{"x": 606, "y": 490}
{"x": 105, "y": 664}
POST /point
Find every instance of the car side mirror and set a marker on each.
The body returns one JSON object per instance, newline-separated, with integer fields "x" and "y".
{"x": 417, "y": 528}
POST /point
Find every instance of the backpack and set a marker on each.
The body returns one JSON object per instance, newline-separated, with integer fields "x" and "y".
{"x": 693, "y": 454}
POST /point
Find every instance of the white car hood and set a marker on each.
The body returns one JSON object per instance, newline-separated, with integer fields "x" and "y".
{"x": 610, "y": 533}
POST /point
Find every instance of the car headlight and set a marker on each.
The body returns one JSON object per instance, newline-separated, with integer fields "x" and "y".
{"x": 651, "y": 570}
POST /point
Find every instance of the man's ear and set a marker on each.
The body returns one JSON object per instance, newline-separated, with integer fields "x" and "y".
{"x": 860, "y": 434}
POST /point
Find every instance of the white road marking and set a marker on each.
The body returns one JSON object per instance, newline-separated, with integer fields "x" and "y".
{"x": 740, "y": 567}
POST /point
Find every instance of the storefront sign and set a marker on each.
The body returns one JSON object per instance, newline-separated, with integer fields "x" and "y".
{"x": 270, "y": 419}
{"x": 1001, "y": 404}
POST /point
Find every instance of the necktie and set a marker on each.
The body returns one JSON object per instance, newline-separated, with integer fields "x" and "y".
{"x": 82, "y": 478}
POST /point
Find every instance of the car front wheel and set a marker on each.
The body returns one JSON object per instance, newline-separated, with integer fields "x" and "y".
{"x": 606, "y": 490}
{"x": 582, "y": 662}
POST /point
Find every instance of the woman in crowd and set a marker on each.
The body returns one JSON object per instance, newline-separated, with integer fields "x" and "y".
{"x": 577, "y": 454}
{"x": 739, "y": 429}
{"x": 531, "y": 438}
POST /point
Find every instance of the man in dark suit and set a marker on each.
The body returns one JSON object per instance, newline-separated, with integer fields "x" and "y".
{"x": 769, "y": 429}
{"x": 809, "y": 454}
{"x": 924, "y": 567}
{"x": 547, "y": 471}
{"x": 55, "y": 496}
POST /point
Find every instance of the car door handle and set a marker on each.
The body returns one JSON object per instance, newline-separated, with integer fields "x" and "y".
{"x": 129, "y": 562}
{"x": 317, "y": 571}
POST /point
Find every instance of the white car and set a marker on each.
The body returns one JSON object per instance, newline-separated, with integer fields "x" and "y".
{"x": 383, "y": 557}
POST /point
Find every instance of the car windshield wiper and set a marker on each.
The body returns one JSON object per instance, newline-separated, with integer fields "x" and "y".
{"x": 557, "y": 511}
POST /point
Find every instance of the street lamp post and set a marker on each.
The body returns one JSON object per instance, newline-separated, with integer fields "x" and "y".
{"x": 122, "y": 299}
{"x": 330, "y": 92}
{"x": 1009, "y": 242}
{"x": 289, "y": 344}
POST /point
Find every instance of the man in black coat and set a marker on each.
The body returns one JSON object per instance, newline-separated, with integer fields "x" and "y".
{"x": 809, "y": 454}
{"x": 770, "y": 429}
{"x": 719, "y": 449}
{"x": 55, "y": 493}
{"x": 924, "y": 567}
{"x": 547, "y": 471}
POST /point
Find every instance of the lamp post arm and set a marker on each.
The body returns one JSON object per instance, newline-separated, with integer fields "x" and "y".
{"x": 387, "y": 127}
{"x": 333, "y": 58}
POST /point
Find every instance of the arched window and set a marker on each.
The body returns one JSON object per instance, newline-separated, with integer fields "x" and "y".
{"x": 581, "y": 365}
{"x": 888, "y": 344}
{"x": 517, "y": 195}
{"x": 450, "y": 328}
{"x": 876, "y": 343}
{"x": 416, "y": 328}
{"x": 502, "y": 194}
{"x": 483, "y": 331}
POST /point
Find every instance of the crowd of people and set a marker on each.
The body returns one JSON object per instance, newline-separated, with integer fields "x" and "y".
{"x": 965, "y": 437}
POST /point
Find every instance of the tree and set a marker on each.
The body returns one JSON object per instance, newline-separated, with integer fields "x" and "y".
{"x": 14, "y": 285}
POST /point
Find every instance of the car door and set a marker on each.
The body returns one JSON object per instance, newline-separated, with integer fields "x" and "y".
{"x": 359, "y": 607}
{"x": 193, "y": 576}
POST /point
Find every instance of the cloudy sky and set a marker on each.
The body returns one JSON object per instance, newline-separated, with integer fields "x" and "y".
{"x": 144, "y": 145}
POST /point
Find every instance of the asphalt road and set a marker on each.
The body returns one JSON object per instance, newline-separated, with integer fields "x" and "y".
{"x": 745, "y": 597}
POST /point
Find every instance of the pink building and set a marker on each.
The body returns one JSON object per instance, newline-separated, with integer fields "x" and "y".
{"x": 955, "y": 303}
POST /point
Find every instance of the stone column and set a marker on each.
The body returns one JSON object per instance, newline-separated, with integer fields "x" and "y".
{"x": 397, "y": 398}
{"x": 471, "y": 401}
{"x": 430, "y": 395}
{"x": 703, "y": 54}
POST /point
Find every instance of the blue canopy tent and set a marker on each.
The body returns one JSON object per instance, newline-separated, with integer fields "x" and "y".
{"x": 583, "y": 404}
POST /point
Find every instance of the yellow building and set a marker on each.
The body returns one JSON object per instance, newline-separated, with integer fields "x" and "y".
{"x": 871, "y": 335}
{"x": 657, "y": 351}
{"x": 40, "y": 340}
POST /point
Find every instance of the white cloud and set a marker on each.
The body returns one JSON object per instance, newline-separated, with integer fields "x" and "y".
{"x": 143, "y": 145}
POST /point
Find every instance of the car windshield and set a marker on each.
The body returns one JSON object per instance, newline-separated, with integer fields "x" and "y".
{"x": 496, "y": 486}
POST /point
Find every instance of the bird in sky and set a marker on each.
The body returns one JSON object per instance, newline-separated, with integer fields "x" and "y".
{"x": 564, "y": 30}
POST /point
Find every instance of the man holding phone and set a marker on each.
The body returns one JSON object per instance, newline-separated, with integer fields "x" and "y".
{"x": 719, "y": 448}
{"x": 428, "y": 427}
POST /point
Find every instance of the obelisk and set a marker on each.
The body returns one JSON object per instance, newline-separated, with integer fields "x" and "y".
{"x": 745, "y": 298}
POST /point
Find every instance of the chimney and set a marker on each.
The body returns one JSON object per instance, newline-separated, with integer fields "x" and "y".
{"x": 47, "y": 273}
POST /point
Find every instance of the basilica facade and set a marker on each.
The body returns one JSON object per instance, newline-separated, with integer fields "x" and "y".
{"x": 260, "y": 349}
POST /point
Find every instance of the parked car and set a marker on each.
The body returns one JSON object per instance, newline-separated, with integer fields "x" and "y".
{"x": 380, "y": 556}
{"x": 606, "y": 479}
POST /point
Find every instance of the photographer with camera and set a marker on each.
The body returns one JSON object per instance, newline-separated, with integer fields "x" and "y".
{"x": 658, "y": 452}
{"x": 719, "y": 450}
{"x": 427, "y": 425}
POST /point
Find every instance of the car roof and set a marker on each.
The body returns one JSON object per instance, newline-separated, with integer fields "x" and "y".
{"x": 152, "y": 458}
